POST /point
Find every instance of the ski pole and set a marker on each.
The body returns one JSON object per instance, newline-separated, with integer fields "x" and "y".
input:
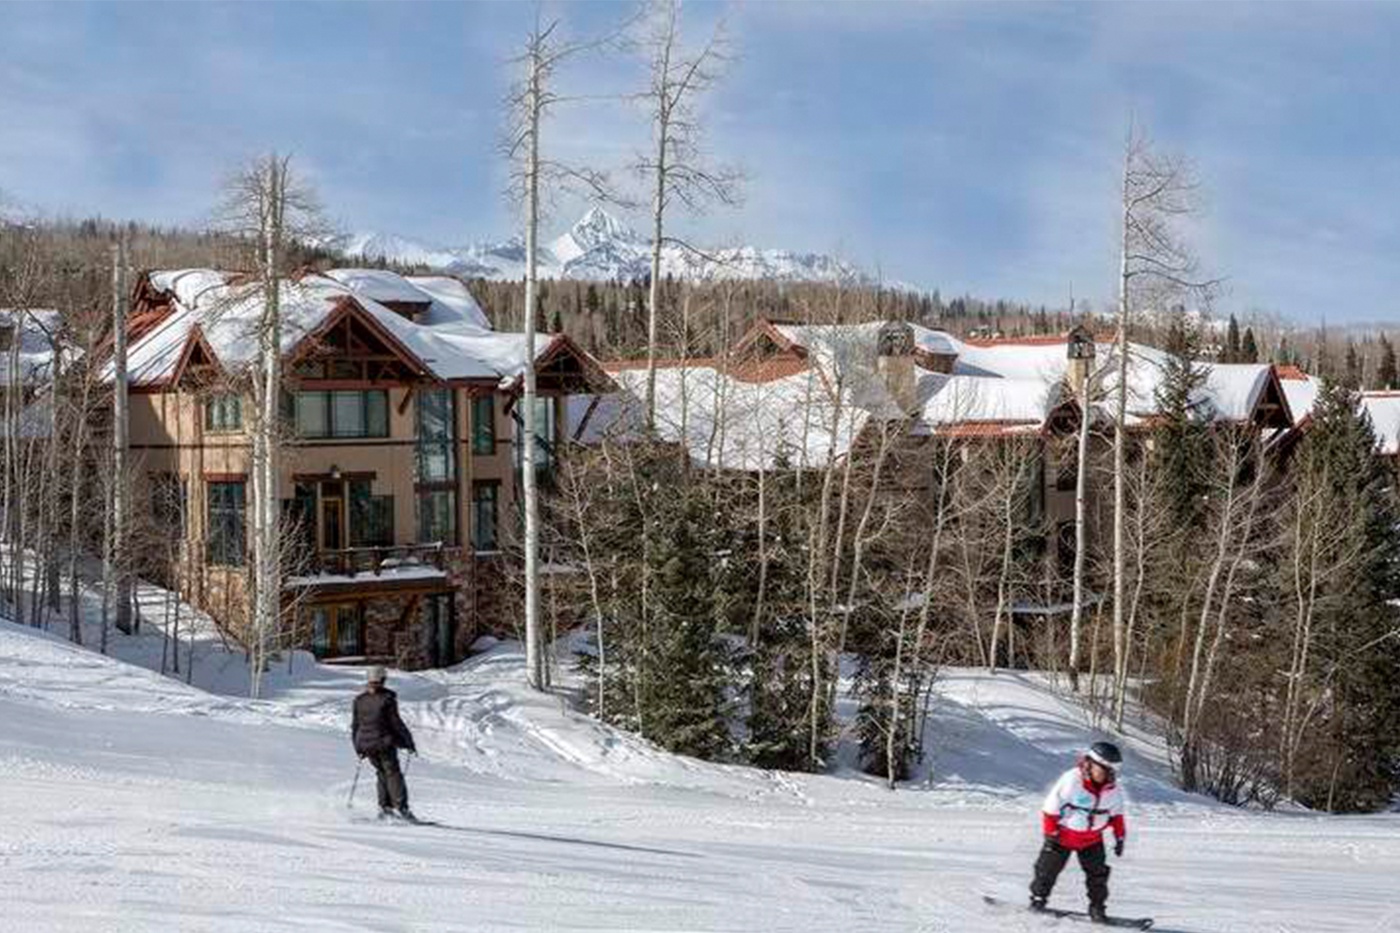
{"x": 360, "y": 763}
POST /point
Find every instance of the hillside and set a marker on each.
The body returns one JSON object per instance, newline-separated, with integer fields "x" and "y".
{"x": 132, "y": 801}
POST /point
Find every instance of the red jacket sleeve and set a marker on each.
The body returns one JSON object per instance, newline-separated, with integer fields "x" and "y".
{"x": 1051, "y": 823}
{"x": 1120, "y": 826}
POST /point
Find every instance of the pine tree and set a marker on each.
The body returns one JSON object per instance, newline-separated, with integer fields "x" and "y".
{"x": 1351, "y": 375}
{"x": 1354, "y": 745}
{"x": 1184, "y": 453}
{"x": 877, "y": 690}
{"x": 1249, "y": 349}
{"x": 690, "y": 668}
{"x": 1386, "y": 377}
{"x": 1231, "y": 351}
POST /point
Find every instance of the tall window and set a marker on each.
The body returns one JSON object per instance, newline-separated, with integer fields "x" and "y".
{"x": 483, "y": 424}
{"x": 437, "y": 516}
{"x": 485, "y": 497}
{"x": 168, "y": 501}
{"x": 223, "y": 412}
{"x": 440, "y": 629}
{"x": 337, "y": 631}
{"x": 371, "y": 516}
{"x": 544, "y": 436}
{"x": 226, "y": 528}
{"x": 343, "y": 413}
{"x": 436, "y": 435}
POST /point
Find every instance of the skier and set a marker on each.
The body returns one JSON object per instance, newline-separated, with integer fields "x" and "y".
{"x": 1084, "y": 802}
{"x": 378, "y": 733}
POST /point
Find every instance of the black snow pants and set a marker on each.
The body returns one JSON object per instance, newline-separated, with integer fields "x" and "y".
{"x": 393, "y": 793}
{"x": 1051, "y": 862}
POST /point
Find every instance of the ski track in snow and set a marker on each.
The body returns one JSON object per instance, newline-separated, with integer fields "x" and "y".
{"x": 130, "y": 801}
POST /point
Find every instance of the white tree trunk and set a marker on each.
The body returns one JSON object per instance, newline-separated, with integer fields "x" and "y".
{"x": 1081, "y": 481}
{"x": 121, "y": 510}
{"x": 534, "y": 668}
{"x": 267, "y": 557}
{"x": 1120, "y": 417}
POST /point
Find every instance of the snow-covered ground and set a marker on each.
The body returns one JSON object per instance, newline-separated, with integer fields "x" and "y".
{"x": 132, "y": 801}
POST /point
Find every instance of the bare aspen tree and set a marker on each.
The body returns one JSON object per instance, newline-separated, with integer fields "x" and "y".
{"x": 529, "y": 105}
{"x": 1155, "y": 266}
{"x": 676, "y": 167}
{"x": 267, "y": 207}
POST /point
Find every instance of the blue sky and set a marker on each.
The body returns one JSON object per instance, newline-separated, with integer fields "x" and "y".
{"x": 970, "y": 147}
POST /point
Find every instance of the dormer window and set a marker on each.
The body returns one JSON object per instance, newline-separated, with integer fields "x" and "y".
{"x": 223, "y": 413}
{"x": 412, "y": 310}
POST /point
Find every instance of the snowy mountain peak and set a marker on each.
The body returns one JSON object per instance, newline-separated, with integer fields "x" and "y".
{"x": 601, "y": 247}
{"x": 598, "y": 226}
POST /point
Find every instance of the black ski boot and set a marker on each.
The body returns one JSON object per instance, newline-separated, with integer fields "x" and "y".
{"x": 1037, "y": 903}
{"x": 407, "y": 816}
{"x": 1098, "y": 913}
{"x": 385, "y": 813}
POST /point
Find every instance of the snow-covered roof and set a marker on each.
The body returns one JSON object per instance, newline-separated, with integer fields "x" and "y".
{"x": 723, "y": 420}
{"x": 452, "y": 339}
{"x": 36, "y": 338}
{"x": 948, "y": 400}
{"x": 1383, "y": 408}
{"x": 1030, "y": 368}
{"x": 1300, "y": 389}
{"x": 995, "y": 387}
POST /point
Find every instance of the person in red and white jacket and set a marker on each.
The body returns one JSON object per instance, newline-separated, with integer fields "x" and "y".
{"x": 1084, "y": 802}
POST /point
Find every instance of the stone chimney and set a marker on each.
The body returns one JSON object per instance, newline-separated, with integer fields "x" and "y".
{"x": 1080, "y": 349}
{"x": 895, "y": 350}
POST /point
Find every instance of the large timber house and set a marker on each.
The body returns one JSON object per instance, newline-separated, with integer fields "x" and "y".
{"x": 400, "y": 466}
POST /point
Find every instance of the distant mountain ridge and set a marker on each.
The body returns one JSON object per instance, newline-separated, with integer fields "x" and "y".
{"x": 600, "y": 247}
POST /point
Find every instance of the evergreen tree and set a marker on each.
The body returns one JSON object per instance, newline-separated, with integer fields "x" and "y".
{"x": 1184, "y": 454}
{"x": 690, "y": 667}
{"x": 1249, "y": 349}
{"x": 877, "y": 690}
{"x": 1354, "y": 746}
{"x": 1386, "y": 377}
{"x": 1352, "y": 375}
{"x": 1231, "y": 351}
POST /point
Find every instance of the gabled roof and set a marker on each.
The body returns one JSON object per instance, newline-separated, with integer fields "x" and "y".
{"x": 450, "y": 341}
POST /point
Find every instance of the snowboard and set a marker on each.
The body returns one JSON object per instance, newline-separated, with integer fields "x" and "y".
{"x": 1131, "y": 923}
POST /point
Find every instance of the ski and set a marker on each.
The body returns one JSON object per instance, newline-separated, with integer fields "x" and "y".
{"x": 1130, "y": 923}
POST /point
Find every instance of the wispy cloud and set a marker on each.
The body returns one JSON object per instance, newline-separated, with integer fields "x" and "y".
{"x": 964, "y": 146}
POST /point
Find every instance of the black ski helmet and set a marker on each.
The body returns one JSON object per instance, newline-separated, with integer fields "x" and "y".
{"x": 1106, "y": 754}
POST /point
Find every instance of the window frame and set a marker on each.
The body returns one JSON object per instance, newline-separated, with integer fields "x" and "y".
{"x": 217, "y": 409}
{"x": 328, "y": 398}
{"x": 216, "y": 550}
{"x": 479, "y": 487}
{"x": 429, "y": 492}
{"x": 484, "y": 428}
{"x": 435, "y": 443}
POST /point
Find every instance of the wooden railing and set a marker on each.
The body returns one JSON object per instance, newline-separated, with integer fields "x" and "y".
{"x": 375, "y": 560}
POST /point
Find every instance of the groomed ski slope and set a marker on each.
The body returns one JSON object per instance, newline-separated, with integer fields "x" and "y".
{"x": 129, "y": 801}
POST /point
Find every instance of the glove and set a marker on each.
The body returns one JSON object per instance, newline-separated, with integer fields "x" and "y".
{"x": 1118, "y": 847}
{"x": 1052, "y": 841}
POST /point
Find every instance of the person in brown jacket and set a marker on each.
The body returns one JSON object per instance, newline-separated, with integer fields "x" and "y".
{"x": 378, "y": 733}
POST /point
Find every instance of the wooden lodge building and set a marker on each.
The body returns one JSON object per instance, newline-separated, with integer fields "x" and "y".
{"x": 399, "y": 467}
{"x": 814, "y": 395}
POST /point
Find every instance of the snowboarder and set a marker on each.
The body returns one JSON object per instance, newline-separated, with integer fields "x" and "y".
{"x": 378, "y": 733}
{"x": 1084, "y": 802}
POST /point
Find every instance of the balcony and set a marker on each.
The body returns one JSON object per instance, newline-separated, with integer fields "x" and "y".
{"x": 401, "y": 566}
